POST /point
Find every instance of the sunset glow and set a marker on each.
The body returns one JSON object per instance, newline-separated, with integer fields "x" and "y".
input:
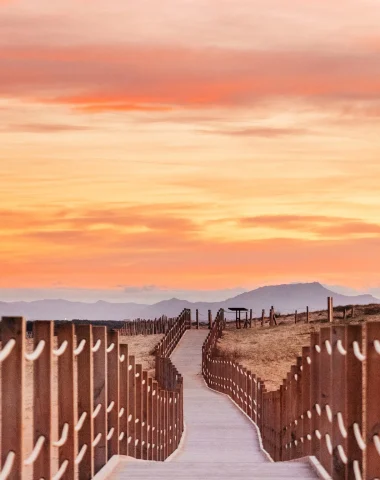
{"x": 189, "y": 144}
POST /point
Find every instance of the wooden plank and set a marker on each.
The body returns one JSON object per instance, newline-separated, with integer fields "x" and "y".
{"x": 145, "y": 415}
{"x": 325, "y": 398}
{"x": 354, "y": 405}
{"x": 372, "y": 397}
{"x": 132, "y": 407}
{"x": 338, "y": 401}
{"x": 113, "y": 360}
{"x": 12, "y": 397}
{"x": 67, "y": 398}
{"x": 85, "y": 401}
{"x": 42, "y": 398}
{"x": 124, "y": 388}
{"x": 99, "y": 334}
{"x": 139, "y": 411}
{"x": 314, "y": 393}
{"x": 150, "y": 418}
{"x": 306, "y": 401}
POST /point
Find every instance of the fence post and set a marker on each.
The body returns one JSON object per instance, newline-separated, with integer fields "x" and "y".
{"x": 330, "y": 309}
{"x": 145, "y": 416}
{"x": 66, "y": 398}
{"x": 42, "y": 407}
{"x": 262, "y": 317}
{"x": 12, "y": 386}
{"x": 250, "y": 318}
{"x": 307, "y": 315}
{"x": 372, "y": 397}
{"x": 295, "y": 317}
{"x": 85, "y": 400}
{"x": 314, "y": 393}
{"x": 197, "y": 318}
{"x": 338, "y": 400}
{"x": 132, "y": 407}
{"x": 139, "y": 411}
{"x": 325, "y": 399}
{"x": 124, "y": 406}
{"x": 306, "y": 392}
{"x": 113, "y": 360}
{"x": 209, "y": 320}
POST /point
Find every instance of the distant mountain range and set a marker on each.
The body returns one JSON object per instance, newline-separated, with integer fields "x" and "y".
{"x": 284, "y": 298}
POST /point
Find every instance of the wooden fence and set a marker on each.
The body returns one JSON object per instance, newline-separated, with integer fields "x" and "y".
{"x": 328, "y": 406}
{"x": 107, "y": 404}
{"x": 147, "y": 327}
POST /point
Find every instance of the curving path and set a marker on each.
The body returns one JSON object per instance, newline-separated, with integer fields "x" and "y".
{"x": 220, "y": 442}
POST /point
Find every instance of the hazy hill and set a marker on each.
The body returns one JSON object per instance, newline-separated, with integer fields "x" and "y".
{"x": 285, "y": 298}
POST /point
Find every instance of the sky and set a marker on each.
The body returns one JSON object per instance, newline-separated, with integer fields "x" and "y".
{"x": 202, "y": 146}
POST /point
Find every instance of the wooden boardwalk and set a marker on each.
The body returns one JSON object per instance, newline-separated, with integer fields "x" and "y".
{"x": 219, "y": 442}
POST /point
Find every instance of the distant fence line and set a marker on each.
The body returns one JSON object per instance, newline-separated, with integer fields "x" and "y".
{"x": 328, "y": 405}
{"x": 113, "y": 408}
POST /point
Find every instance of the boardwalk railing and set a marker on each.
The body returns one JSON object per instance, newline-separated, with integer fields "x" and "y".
{"x": 328, "y": 406}
{"x": 107, "y": 404}
{"x": 147, "y": 327}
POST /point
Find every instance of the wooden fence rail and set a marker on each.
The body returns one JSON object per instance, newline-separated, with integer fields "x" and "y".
{"x": 107, "y": 404}
{"x": 328, "y": 406}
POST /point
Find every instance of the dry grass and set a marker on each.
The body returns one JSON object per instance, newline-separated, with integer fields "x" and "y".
{"x": 269, "y": 352}
{"x": 142, "y": 346}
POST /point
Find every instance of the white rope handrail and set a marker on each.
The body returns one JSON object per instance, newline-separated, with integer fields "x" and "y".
{"x": 318, "y": 434}
{"x": 110, "y": 406}
{"x": 122, "y": 358}
{"x": 342, "y": 428}
{"x": 80, "y": 423}
{"x": 36, "y": 451}
{"x": 342, "y": 454}
{"x": 96, "y": 347}
{"x": 97, "y": 439}
{"x": 357, "y": 352}
{"x": 357, "y": 472}
{"x": 31, "y": 357}
{"x": 328, "y": 347}
{"x": 61, "y": 471}
{"x": 121, "y": 436}
{"x": 328, "y": 443}
{"x": 110, "y": 348}
{"x": 7, "y": 350}
{"x": 358, "y": 437}
{"x": 81, "y": 454}
{"x": 318, "y": 348}
{"x": 309, "y": 414}
{"x": 318, "y": 409}
{"x": 329, "y": 413}
{"x": 376, "y": 441}
{"x": 340, "y": 348}
{"x": 110, "y": 433}
{"x": 97, "y": 410}
{"x": 61, "y": 350}
{"x": 376, "y": 344}
{"x": 308, "y": 359}
{"x": 121, "y": 412}
{"x": 80, "y": 347}
{"x": 63, "y": 438}
{"x": 8, "y": 465}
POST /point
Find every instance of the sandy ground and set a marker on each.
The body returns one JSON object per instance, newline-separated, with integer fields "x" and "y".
{"x": 140, "y": 346}
{"x": 269, "y": 352}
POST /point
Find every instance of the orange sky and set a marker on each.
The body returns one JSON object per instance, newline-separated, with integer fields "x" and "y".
{"x": 199, "y": 145}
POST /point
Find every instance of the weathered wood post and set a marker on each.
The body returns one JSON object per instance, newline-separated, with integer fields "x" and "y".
{"x": 271, "y": 312}
{"x": 330, "y": 315}
{"x": 295, "y": 317}
{"x": 12, "y": 386}
{"x": 209, "y": 320}
{"x": 250, "y": 318}
{"x": 197, "y": 319}
{"x": 307, "y": 315}
{"x": 189, "y": 316}
{"x": 262, "y": 317}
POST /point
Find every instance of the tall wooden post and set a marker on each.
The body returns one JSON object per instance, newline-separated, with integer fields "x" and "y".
{"x": 12, "y": 386}
{"x": 295, "y": 317}
{"x": 189, "y": 316}
{"x": 307, "y": 315}
{"x": 209, "y": 320}
{"x": 250, "y": 318}
{"x": 197, "y": 319}
{"x": 330, "y": 315}
{"x": 262, "y": 317}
